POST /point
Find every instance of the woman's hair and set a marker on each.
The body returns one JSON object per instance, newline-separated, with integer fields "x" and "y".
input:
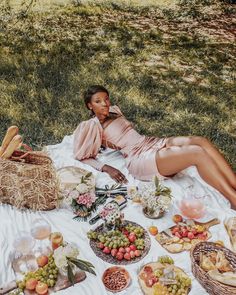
{"x": 91, "y": 91}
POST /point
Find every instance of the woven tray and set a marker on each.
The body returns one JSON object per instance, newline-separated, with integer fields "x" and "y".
{"x": 213, "y": 287}
{"x": 111, "y": 259}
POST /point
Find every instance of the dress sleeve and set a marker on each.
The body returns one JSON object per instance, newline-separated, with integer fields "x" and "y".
{"x": 87, "y": 141}
{"x": 116, "y": 109}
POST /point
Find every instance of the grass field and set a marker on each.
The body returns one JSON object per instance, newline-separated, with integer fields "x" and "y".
{"x": 171, "y": 69}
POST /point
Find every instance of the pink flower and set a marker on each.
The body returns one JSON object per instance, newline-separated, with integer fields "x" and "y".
{"x": 86, "y": 199}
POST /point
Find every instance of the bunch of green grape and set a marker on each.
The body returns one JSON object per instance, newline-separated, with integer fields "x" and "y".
{"x": 113, "y": 239}
{"x": 92, "y": 235}
{"x": 140, "y": 244}
{"x": 181, "y": 288}
{"x": 165, "y": 259}
{"x": 138, "y": 230}
{"x": 158, "y": 273}
{"x": 46, "y": 274}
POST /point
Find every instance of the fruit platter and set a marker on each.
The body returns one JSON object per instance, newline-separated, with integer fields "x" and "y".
{"x": 127, "y": 244}
{"x": 163, "y": 278}
{"x": 60, "y": 268}
{"x": 185, "y": 234}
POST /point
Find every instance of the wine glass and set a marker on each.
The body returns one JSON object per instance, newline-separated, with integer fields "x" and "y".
{"x": 40, "y": 230}
{"x": 23, "y": 245}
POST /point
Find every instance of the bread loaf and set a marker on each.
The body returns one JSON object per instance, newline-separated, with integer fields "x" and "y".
{"x": 13, "y": 145}
{"x": 11, "y": 132}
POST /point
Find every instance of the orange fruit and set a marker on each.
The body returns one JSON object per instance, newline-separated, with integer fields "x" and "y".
{"x": 153, "y": 230}
{"x": 177, "y": 218}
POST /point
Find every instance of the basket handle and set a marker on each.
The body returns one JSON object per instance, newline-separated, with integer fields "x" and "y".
{"x": 27, "y": 149}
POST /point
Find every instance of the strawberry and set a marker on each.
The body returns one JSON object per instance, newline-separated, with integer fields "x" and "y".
{"x": 119, "y": 256}
{"x": 190, "y": 235}
{"x": 137, "y": 253}
{"x": 127, "y": 249}
{"x": 101, "y": 245}
{"x": 106, "y": 250}
{"x": 132, "y": 237}
{"x": 177, "y": 234}
{"x": 127, "y": 256}
{"x": 132, "y": 247}
{"x": 132, "y": 254}
{"x": 114, "y": 252}
{"x": 121, "y": 249}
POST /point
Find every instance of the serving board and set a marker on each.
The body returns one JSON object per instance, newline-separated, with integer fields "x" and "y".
{"x": 111, "y": 259}
{"x": 174, "y": 244}
{"x": 155, "y": 266}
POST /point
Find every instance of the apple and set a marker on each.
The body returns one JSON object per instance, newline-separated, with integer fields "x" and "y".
{"x": 42, "y": 260}
{"x": 41, "y": 288}
{"x": 31, "y": 284}
{"x": 127, "y": 256}
{"x": 119, "y": 256}
{"x": 153, "y": 230}
{"x": 106, "y": 250}
{"x": 114, "y": 252}
{"x": 132, "y": 247}
{"x": 177, "y": 218}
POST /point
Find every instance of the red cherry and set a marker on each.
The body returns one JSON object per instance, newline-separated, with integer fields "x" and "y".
{"x": 121, "y": 249}
{"x": 137, "y": 253}
{"x": 101, "y": 245}
{"x": 127, "y": 249}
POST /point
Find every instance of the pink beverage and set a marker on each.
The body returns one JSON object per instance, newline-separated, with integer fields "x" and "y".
{"x": 192, "y": 208}
{"x": 41, "y": 232}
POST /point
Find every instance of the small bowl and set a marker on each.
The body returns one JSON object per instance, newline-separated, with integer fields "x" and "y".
{"x": 111, "y": 270}
{"x": 159, "y": 215}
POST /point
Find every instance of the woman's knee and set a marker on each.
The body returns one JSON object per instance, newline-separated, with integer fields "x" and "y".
{"x": 195, "y": 151}
{"x": 199, "y": 140}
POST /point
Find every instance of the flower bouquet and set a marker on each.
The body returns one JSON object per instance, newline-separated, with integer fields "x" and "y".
{"x": 156, "y": 198}
{"x": 82, "y": 197}
{"x": 111, "y": 215}
{"x": 67, "y": 262}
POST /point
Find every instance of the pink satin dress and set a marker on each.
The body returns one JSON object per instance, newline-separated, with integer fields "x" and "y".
{"x": 138, "y": 150}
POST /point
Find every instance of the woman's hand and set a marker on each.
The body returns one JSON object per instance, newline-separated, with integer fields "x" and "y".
{"x": 114, "y": 174}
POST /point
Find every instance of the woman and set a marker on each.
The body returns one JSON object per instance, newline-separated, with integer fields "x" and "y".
{"x": 146, "y": 156}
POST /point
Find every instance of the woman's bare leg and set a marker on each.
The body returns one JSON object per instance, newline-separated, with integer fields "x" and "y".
{"x": 216, "y": 156}
{"x": 174, "y": 159}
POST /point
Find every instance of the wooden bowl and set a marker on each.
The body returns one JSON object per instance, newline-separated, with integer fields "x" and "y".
{"x": 115, "y": 271}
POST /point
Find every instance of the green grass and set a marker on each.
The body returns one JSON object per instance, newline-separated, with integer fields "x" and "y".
{"x": 171, "y": 70}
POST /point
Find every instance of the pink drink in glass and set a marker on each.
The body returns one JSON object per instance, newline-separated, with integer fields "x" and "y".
{"x": 192, "y": 208}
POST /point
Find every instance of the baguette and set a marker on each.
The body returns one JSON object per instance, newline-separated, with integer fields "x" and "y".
{"x": 11, "y": 132}
{"x": 13, "y": 145}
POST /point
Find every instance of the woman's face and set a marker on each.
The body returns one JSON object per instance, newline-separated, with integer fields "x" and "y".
{"x": 100, "y": 104}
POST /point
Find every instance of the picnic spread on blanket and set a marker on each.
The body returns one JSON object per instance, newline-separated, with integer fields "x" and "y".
{"x": 68, "y": 228}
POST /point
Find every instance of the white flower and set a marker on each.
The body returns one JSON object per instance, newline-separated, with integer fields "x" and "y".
{"x": 83, "y": 188}
{"x": 60, "y": 255}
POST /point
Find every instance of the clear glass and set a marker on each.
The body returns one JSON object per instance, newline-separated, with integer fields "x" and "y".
{"x": 40, "y": 230}
{"x": 192, "y": 205}
{"x": 23, "y": 245}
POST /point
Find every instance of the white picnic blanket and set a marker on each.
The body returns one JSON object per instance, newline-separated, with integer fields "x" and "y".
{"x": 13, "y": 220}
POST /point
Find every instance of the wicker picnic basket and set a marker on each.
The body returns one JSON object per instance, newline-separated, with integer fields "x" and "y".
{"x": 213, "y": 287}
{"x": 28, "y": 180}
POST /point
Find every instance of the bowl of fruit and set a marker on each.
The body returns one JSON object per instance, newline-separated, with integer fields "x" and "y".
{"x": 126, "y": 244}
